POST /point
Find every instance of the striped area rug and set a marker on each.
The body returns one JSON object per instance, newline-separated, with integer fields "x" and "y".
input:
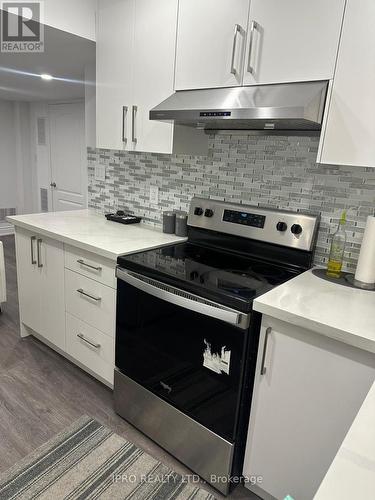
{"x": 88, "y": 461}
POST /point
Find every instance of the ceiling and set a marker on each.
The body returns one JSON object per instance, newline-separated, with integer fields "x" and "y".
{"x": 65, "y": 57}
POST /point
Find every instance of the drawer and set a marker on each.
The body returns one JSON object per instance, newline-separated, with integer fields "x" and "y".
{"x": 90, "y": 301}
{"x": 92, "y": 348}
{"x": 93, "y": 266}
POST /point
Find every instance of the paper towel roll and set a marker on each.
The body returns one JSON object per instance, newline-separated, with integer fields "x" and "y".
{"x": 366, "y": 263}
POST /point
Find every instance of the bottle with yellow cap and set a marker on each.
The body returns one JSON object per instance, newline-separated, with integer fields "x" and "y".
{"x": 336, "y": 255}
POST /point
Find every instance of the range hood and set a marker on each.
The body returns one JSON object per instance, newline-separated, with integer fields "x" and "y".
{"x": 287, "y": 106}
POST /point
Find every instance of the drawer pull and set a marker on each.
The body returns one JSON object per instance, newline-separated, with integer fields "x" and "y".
{"x": 93, "y": 344}
{"x": 93, "y": 297}
{"x": 83, "y": 263}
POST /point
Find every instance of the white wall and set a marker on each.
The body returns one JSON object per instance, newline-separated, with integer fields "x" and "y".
{"x": 8, "y": 170}
{"x": 73, "y": 16}
{"x": 16, "y": 162}
{"x": 25, "y": 162}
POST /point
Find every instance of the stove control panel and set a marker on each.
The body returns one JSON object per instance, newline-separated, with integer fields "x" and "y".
{"x": 245, "y": 218}
{"x": 280, "y": 227}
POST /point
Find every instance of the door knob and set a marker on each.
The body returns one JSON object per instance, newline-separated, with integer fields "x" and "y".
{"x": 53, "y": 184}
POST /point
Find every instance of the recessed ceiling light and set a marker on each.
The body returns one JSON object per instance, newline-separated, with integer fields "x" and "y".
{"x": 46, "y": 76}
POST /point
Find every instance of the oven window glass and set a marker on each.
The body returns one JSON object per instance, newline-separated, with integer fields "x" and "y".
{"x": 192, "y": 361}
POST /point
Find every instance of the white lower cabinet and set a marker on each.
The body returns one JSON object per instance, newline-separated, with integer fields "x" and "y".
{"x": 40, "y": 272}
{"x": 67, "y": 297}
{"x": 90, "y": 347}
{"x": 308, "y": 389}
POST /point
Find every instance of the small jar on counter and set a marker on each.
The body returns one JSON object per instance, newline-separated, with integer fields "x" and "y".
{"x": 169, "y": 222}
{"x": 181, "y": 224}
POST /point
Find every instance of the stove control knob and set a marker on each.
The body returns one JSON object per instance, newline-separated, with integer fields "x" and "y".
{"x": 208, "y": 212}
{"x": 198, "y": 211}
{"x": 296, "y": 229}
{"x": 281, "y": 226}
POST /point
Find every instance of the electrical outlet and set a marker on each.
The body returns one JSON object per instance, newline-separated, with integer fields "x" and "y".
{"x": 100, "y": 172}
{"x": 154, "y": 195}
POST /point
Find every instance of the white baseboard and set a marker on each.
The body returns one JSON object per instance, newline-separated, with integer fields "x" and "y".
{"x": 6, "y": 229}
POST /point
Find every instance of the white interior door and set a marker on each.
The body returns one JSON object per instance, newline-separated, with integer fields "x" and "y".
{"x": 68, "y": 156}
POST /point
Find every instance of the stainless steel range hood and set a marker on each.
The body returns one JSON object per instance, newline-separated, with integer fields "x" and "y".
{"x": 287, "y": 106}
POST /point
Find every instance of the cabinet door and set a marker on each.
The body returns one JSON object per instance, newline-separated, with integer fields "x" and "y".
{"x": 114, "y": 49}
{"x": 153, "y": 70}
{"x": 210, "y": 43}
{"x": 292, "y": 40}
{"x": 51, "y": 291}
{"x": 28, "y": 278}
{"x": 302, "y": 407}
{"x": 349, "y": 137}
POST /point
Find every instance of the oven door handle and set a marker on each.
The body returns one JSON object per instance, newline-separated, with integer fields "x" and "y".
{"x": 181, "y": 298}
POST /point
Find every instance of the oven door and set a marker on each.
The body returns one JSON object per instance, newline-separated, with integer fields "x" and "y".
{"x": 187, "y": 350}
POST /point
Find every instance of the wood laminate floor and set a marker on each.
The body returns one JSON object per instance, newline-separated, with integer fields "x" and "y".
{"x": 41, "y": 392}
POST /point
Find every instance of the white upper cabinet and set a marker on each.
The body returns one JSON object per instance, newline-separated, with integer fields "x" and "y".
{"x": 210, "y": 43}
{"x": 349, "y": 136}
{"x": 153, "y": 73}
{"x": 114, "y": 52}
{"x": 292, "y": 40}
{"x": 224, "y": 43}
{"x": 136, "y": 49}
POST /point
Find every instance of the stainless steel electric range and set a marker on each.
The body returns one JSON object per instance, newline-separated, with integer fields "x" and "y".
{"x": 186, "y": 334}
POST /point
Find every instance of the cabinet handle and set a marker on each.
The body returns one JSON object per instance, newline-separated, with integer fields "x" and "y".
{"x": 39, "y": 252}
{"x": 124, "y": 115}
{"x": 263, "y": 369}
{"x": 32, "y": 239}
{"x": 83, "y": 263}
{"x": 254, "y": 26}
{"x": 134, "y": 113}
{"x": 93, "y": 344}
{"x": 93, "y": 297}
{"x": 237, "y": 29}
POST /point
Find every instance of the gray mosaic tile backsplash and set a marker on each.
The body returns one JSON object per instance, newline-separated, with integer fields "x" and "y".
{"x": 269, "y": 171}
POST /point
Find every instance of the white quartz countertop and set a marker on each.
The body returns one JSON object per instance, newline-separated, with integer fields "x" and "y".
{"x": 340, "y": 312}
{"x": 90, "y": 231}
{"x": 352, "y": 472}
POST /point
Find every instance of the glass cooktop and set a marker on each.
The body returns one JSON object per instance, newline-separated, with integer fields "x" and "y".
{"x": 227, "y": 278}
